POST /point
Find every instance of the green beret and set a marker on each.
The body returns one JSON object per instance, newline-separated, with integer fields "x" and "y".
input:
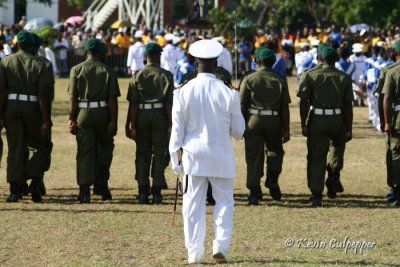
{"x": 329, "y": 52}
{"x": 152, "y": 48}
{"x": 257, "y": 51}
{"x": 37, "y": 41}
{"x": 266, "y": 54}
{"x": 95, "y": 46}
{"x": 25, "y": 37}
{"x": 397, "y": 46}
{"x": 320, "y": 47}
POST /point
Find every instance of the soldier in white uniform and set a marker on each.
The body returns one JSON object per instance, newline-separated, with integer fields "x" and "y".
{"x": 136, "y": 54}
{"x": 205, "y": 115}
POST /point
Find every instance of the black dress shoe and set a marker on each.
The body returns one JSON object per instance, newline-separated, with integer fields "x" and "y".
{"x": 275, "y": 192}
{"x": 390, "y": 196}
{"x": 316, "y": 199}
{"x": 36, "y": 194}
{"x": 143, "y": 198}
{"x": 24, "y": 189}
{"x": 13, "y": 198}
{"x": 253, "y": 197}
{"x": 84, "y": 194}
{"x": 97, "y": 190}
{"x": 331, "y": 189}
{"x": 157, "y": 199}
{"x": 106, "y": 195}
{"x": 15, "y": 193}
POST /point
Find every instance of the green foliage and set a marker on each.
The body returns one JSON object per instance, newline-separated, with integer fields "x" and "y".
{"x": 180, "y": 9}
{"x": 225, "y": 19}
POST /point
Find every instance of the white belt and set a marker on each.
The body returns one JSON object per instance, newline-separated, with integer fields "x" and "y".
{"x": 21, "y": 97}
{"x": 334, "y": 111}
{"x": 265, "y": 112}
{"x": 397, "y": 108}
{"x": 151, "y": 105}
{"x": 93, "y": 104}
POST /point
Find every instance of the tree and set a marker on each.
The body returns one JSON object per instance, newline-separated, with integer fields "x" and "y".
{"x": 180, "y": 9}
{"x": 23, "y": 2}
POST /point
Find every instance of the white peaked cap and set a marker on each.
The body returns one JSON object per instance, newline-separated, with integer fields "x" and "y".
{"x": 304, "y": 44}
{"x": 357, "y": 48}
{"x": 206, "y": 49}
{"x": 169, "y": 37}
{"x": 138, "y": 34}
{"x": 176, "y": 40}
{"x": 315, "y": 42}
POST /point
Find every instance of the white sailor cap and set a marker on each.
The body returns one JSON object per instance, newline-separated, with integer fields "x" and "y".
{"x": 357, "y": 48}
{"x": 304, "y": 44}
{"x": 381, "y": 43}
{"x": 176, "y": 40}
{"x": 315, "y": 42}
{"x": 169, "y": 37}
{"x": 138, "y": 34}
{"x": 219, "y": 39}
{"x": 206, "y": 49}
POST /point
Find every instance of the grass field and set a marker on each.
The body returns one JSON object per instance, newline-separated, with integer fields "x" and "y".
{"x": 60, "y": 232}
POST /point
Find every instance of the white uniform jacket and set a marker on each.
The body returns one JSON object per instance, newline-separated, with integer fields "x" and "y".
{"x": 169, "y": 58}
{"x": 135, "y": 56}
{"x": 225, "y": 60}
{"x": 205, "y": 115}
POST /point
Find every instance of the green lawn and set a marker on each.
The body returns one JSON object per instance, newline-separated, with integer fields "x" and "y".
{"x": 122, "y": 233}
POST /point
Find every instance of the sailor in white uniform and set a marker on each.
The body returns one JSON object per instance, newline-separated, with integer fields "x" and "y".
{"x": 205, "y": 115}
{"x": 170, "y": 55}
{"x": 225, "y": 59}
{"x": 136, "y": 54}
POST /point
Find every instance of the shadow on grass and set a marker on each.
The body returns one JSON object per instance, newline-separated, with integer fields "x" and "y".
{"x": 300, "y": 201}
{"x": 304, "y": 262}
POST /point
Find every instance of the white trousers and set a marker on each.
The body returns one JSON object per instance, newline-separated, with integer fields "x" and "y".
{"x": 194, "y": 213}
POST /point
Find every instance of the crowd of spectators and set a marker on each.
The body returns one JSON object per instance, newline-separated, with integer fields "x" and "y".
{"x": 65, "y": 48}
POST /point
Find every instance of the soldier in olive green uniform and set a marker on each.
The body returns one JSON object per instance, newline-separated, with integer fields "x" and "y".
{"x": 48, "y": 143}
{"x": 224, "y": 75}
{"x": 265, "y": 106}
{"x": 391, "y": 108}
{"x": 379, "y": 89}
{"x": 150, "y": 94}
{"x": 93, "y": 118}
{"x": 328, "y": 92}
{"x": 336, "y": 152}
{"x": 25, "y": 83}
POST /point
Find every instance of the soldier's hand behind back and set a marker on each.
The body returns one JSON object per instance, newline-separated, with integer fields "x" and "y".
{"x": 133, "y": 133}
{"x": 112, "y": 128}
{"x": 304, "y": 131}
{"x": 348, "y": 136}
{"x": 285, "y": 137}
{"x": 45, "y": 128}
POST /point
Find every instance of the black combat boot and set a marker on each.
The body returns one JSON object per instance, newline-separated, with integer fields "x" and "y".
{"x": 336, "y": 180}
{"x": 15, "y": 193}
{"x": 210, "y": 198}
{"x": 157, "y": 197}
{"x": 274, "y": 189}
{"x": 24, "y": 189}
{"x": 253, "y": 197}
{"x": 316, "y": 199}
{"x": 84, "y": 194}
{"x": 143, "y": 195}
{"x": 34, "y": 189}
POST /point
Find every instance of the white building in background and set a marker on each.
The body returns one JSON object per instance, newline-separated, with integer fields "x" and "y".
{"x": 33, "y": 10}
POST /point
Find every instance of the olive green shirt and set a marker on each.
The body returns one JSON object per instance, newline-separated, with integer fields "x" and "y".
{"x": 151, "y": 84}
{"x": 391, "y": 88}
{"x": 264, "y": 89}
{"x": 93, "y": 80}
{"x": 23, "y": 73}
{"x": 220, "y": 73}
{"x": 382, "y": 76}
{"x": 326, "y": 87}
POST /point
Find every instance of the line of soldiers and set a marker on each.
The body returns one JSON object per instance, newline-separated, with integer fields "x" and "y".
{"x": 27, "y": 89}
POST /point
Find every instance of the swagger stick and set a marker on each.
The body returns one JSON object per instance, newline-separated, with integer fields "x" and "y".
{"x": 177, "y": 187}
